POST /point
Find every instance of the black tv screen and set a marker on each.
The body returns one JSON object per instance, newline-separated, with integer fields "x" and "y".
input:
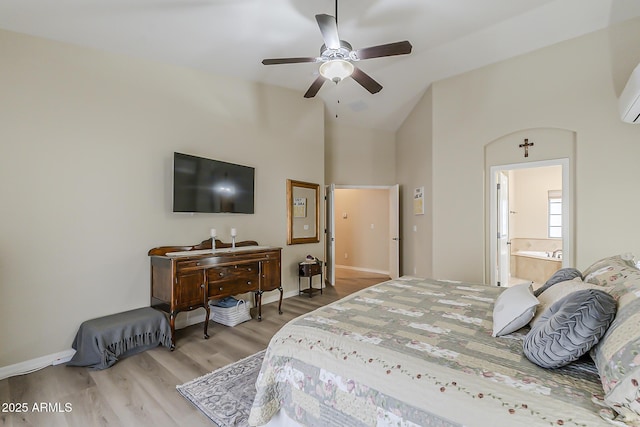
{"x": 211, "y": 186}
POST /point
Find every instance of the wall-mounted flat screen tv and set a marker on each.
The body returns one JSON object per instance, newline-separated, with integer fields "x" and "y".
{"x": 211, "y": 186}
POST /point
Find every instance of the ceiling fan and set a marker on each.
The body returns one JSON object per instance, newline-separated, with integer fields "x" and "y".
{"x": 337, "y": 57}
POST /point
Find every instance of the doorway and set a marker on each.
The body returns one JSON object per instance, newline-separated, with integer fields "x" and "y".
{"x": 530, "y": 214}
{"x": 522, "y": 149}
{"x": 362, "y": 234}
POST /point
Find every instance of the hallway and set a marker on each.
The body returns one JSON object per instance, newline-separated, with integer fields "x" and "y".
{"x": 349, "y": 280}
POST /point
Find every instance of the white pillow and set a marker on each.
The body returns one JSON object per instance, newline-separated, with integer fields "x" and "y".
{"x": 559, "y": 291}
{"x": 513, "y": 309}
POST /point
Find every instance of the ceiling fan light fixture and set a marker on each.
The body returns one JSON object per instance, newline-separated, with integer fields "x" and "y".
{"x": 336, "y": 70}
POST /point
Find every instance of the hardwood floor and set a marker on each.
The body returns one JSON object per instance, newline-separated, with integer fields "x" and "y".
{"x": 349, "y": 281}
{"x": 141, "y": 390}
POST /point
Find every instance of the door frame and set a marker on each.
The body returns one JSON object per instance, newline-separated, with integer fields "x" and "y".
{"x": 394, "y": 227}
{"x": 567, "y": 210}
{"x": 329, "y": 239}
{"x": 503, "y": 255}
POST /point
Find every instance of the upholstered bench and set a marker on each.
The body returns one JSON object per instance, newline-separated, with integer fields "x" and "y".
{"x": 100, "y": 342}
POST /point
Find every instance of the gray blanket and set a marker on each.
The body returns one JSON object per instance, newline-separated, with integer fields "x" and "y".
{"x": 100, "y": 342}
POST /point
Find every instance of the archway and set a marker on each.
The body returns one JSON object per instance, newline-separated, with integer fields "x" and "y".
{"x": 527, "y": 148}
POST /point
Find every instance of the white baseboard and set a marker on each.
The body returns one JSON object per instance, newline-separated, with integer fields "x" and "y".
{"x": 183, "y": 320}
{"x": 368, "y": 270}
{"x": 36, "y": 364}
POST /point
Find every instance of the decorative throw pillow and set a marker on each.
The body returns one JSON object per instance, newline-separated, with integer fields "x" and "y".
{"x": 611, "y": 270}
{"x": 561, "y": 275}
{"x": 617, "y": 355}
{"x": 513, "y": 309}
{"x": 559, "y": 291}
{"x": 569, "y": 328}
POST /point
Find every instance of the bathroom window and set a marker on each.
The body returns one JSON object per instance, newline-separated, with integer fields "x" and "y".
{"x": 555, "y": 213}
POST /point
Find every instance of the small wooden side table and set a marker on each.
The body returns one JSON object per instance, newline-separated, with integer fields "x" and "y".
{"x": 310, "y": 269}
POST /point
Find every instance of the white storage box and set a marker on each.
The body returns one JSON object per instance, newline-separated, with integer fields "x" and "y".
{"x": 231, "y": 316}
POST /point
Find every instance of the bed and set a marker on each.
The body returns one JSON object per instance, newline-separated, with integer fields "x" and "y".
{"x": 417, "y": 352}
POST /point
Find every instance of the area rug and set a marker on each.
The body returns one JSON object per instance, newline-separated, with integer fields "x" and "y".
{"x": 226, "y": 394}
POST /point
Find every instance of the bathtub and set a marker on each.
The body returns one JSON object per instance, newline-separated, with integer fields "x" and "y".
{"x": 538, "y": 254}
{"x": 536, "y": 266}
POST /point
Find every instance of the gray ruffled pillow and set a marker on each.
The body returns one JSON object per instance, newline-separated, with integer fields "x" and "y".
{"x": 569, "y": 328}
{"x": 561, "y": 275}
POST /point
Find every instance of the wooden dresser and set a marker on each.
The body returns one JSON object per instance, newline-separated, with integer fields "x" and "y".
{"x": 187, "y": 277}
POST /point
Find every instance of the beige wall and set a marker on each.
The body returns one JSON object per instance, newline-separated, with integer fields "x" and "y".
{"x": 87, "y": 140}
{"x": 572, "y": 85}
{"x": 362, "y": 229}
{"x": 414, "y": 144}
{"x": 529, "y": 199}
{"x": 359, "y": 156}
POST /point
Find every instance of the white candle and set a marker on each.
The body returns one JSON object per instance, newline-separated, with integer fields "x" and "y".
{"x": 234, "y": 232}
{"x": 213, "y": 233}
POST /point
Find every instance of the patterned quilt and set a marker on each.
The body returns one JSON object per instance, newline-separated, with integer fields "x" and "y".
{"x": 416, "y": 352}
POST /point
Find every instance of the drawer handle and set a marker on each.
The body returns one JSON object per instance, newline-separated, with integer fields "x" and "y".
{"x": 221, "y": 274}
{"x": 197, "y": 263}
{"x": 248, "y": 282}
{"x": 220, "y": 288}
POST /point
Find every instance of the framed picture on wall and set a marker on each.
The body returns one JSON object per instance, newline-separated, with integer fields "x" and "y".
{"x": 418, "y": 201}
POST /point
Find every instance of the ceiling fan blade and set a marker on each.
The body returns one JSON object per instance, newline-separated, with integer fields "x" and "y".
{"x": 275, "y": 61}
{"x": 366, "y": 81}
{"x": 315, "y": 87}
{"x": 391, "y": 49}
{"x": 329, "y": 30}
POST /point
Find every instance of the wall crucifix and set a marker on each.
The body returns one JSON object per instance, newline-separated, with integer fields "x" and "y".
{"x": 526, "y": 146}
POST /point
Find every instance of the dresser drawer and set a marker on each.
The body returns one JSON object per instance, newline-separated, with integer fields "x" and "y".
{"x": 233, "y": 279}
{"x": 307, "y": 270}
{"x": 239, "y": 272}
{"x": 200, "y": 263}
{"x": 229, "y": 288}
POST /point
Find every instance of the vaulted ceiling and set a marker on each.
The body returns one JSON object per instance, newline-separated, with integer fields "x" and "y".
{"x": 231, "y": 37}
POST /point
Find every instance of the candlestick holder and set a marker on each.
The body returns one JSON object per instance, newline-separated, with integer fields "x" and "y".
{"x": 234, "y": 233}
{"x": 214, "y": 235}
